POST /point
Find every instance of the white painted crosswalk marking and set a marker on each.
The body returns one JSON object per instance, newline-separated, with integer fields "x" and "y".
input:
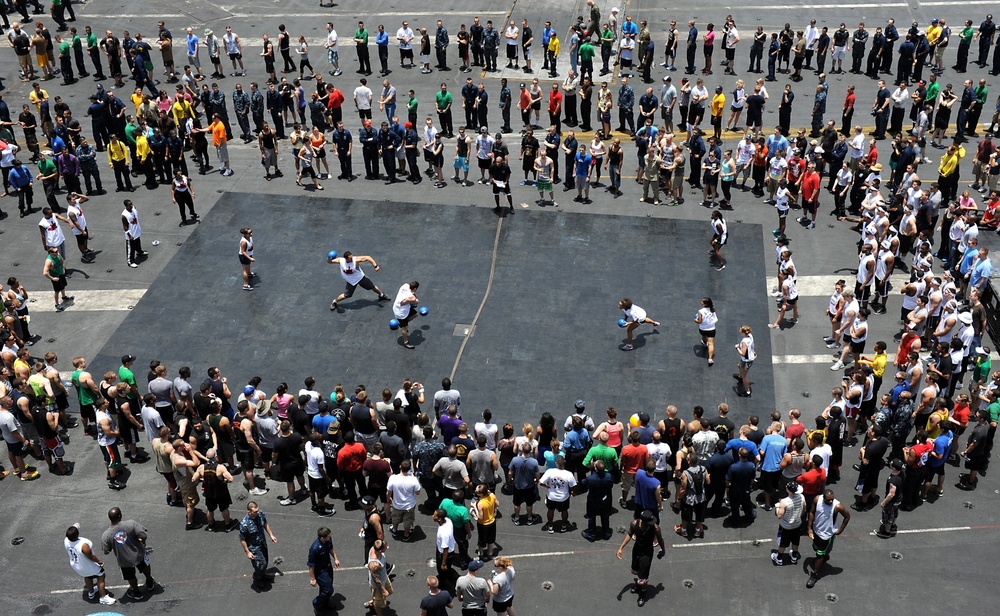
{"x": 94, "y": 300}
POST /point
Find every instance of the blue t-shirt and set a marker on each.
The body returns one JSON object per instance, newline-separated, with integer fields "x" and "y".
{"x": 980, "y": 271}
{"x": 525, "y": 470}
{"x": 192, "y": 42}
{"x": 735, "y": 444}
{"x": 583, "y": 162}
{"x": 645, "y": 491}
{"x": 550, "y": 458}
{"x": 772, "y": 448}
{"x": 942, "y": 446}
{"x": 322, "y": 422}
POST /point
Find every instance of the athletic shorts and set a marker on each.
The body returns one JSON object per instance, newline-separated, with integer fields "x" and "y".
{"x": 54, "y": 446}
{"x": 788, "y": 536}
{"x": 487, "y": 534}
{"x": 582, "y": 182}
{"x": 839, "y": 53}
{"x": 769, "y": 480}
{"x": 497, "y": 189}
{"x": 527, "y": 52}
{"x": 365, "y": 283}
{"x": 16, "y": 448}
{"x": 308, "y": 171}
{"x": 222, "y": 152}
{"x": 235, "y": 56}
{"x": 218, "y": 498}
{"x": 112, "y": 458}
{"x": 484, "y": 163}
{"x": 318, "y": 487}
{"x": 823, "y": 547}
{"x": 59, "y": 283}
{"x": 245, "y": 458}
{"x": 641, "y": 563}
{"x": 406, "y": 320}
{"x": 693, "y": 513}
{"x": 559, "y": 506}
{"x": 527, "y": 496}
{"x": 244, "y": 260}
{"x": 462, "y": 163}
{"x": 977, "y": 463}
{"x": 746, "y": 365}
{"x": 708, "y": 333}
{"x": 544, "y": 186}
{"x": 851, "y": 411}
{"x": 858, "y": 347}
{"x": 190, "y": 495}
{"x": 512, "y": 52}
{"x": 502, "y": 606}
{"x": 87, "y": 412}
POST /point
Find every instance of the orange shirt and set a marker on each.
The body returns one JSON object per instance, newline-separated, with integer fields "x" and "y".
{"x": 218, "y": 133}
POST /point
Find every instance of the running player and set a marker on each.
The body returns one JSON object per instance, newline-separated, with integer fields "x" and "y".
{"x": 634, "y": 317}
{"x": 706, "y": 318}
{"x": 350, "y": 270}
{"x": 404, "y": 309}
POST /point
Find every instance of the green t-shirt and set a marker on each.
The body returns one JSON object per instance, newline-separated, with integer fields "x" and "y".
{"x": 981, "y": 370}
{"x": 130, "y": 133}
{"x": 77, "y": 42}
{"x": 83, "y": 393}
{"x": 443, "y": 100}
{"x": 64, "y": 49}
{"x": 361, "y": 33}
{"x": 57, "y": 268}
{"x": 603, "y": 453}
{"x": 46, "y": 166}
{"x": 967, "y": 33}
{"x": 982, "y": 95}
{"x": 992, "y": 409}
{"x": 127, "y": 377}
{"x": 933, "y": 89}
{"x": 91, "y": 40}
{"x": 607, "y": 34}
{"x": 411, "y": 105}
{"x": 586, "y": 51}
{"x": 457, "y": 513}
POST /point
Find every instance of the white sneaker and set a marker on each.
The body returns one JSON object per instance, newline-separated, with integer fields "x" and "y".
{"x": 258, "y": 491}
{"x": 108, "y": 600}
{"x": 837, "y": 366}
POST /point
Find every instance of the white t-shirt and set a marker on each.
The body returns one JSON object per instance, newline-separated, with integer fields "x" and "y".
{"x": 404, "y": 490}
{"x": 81, "y": 220}
{"x": 351, "y": 271}
{"x": 363, "y": 97}
{"x": 312, "y": 407}
{"x": 490, "y": 431}
{"x": 133, "y": 221}
{"x": 405, "y": 38}
{"x": 331, "y": 40}
{"x": 445, "y": 537}
{"x": 559, "y": 482}
{"x": 659, "y": 453}
{"x": 635, "y": 313}
{"x": 708, "y": 319}
{"x": 78, "y": 560}
{"x": 400, "y": 309}
{"x": 315, "y": 460}
{"x": 53, "y": 232}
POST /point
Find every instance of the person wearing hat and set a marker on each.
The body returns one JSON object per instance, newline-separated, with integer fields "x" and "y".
{"x": 473, "y": 591}
{"x": 645, "y": 533}
{"x": 790, "y": 512}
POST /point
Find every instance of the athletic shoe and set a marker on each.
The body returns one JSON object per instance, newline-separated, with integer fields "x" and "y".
{"x": 777, "y": 559}
{"x": 284, "y": 502}
{"x": 832, "y": 345}
{"x": 516, "y": 520}
{"x": 92, "y": 594}
{"x": 108, "y": 600}
{"x": 628, "y": 347}
{"x": 839, "y": 365}
{"x": 135, "y": 595}
{"x": 550, "y": 528}
{"x": 246, "y": 287}
{"x": 326, "y": 512}
{"x": 795, "y": 557}
{"x": 333, "y": 304}
{"x": 29, "y": 475}
{"x": 132, "y": 265}
{"x": 150, "y": 584}
{"x": 812, "y": 580}
{"x": 258, "y": 491}
{"x": 720, "y": 268}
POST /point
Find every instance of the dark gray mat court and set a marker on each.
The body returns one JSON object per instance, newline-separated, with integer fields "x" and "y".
{"x": 546, "y": 336}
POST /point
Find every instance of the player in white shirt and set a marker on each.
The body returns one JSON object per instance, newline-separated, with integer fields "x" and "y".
{"x": 332, "y": 51}
{"x": 404, "y": 308}
{"x": 350, "y": 271}
{"x": 706, "y": 318}
{"x": 559, "y": 483}
{"x": 78, "y": 225}
{"x": 86, "y": 563}
{"x": 634, "y": 316}
{"x": 133, "y": 233}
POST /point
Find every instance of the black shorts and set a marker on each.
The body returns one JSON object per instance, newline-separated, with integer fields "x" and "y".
{"x": 129, "y": 572}
{"x": 308, "y": 171}
{"x": 405, "y": 53}
{"x": 429, "y": 156}
{"x": 693, "y": 513}
{"x": 858, "y": 347}
{"x": 245, "y": 458}
{"x": 935, "y": 471}
{"x": 365, "y": 283}
{"x": 290, "y": 471}
{"x": 487, "y": 534}
{"x": 87, "y": 412}
{"x": 406, "y": 320}
{"x": 528, "y": 496}
{"x": 505, "y": 189}
{"x": 16, "y": 448}
{"x": 218, "y": 498}
{"x": 788, "y": 536}
{"x": 62, "y": 401}
{"x": 823, "y": 547}
{"x": 319, "y": 152}
{"x": 502, "y": 606}
{"x": 235, "y": 56}
{"x": 769, "y": 480}
{"x": 318, "y": 487}
{"x": 559, "y": 506}
{"x": 128, "y": 432}
{"x": 265, "y": 455}
{"x": 244, "y": 260}
{"x": 707, "y": 333}
{"x": 641, "y": 563}
{"x": 792, "y": 301}
{"x": 977, "y": 463}
{"x": 484, "y": 163}
{"x": 59, "y": 283}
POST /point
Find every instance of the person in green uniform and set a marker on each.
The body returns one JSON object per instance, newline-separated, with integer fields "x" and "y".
{"x": 964, "y": 43}
{"x": 411, "y": 107}
{"x": 55, "y": 271}
{"x": 586, "y": 53}
{"x": 77, "y": 45}
{"x": 458, "y": 512}
{"x": 65, "y": 60}
{"x": 94, "y": 49}
{"x": 87, "y": 393}
{"x": 607, "y": 41}
{"x": 442, "y": 102}
{"x": 127, "y": 378}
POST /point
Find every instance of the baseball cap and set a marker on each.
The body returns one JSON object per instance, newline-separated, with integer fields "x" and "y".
{"x": 248, "y": 390}
{"x": 367, "y": 501}
{"x": 475, "y": 565}
{"x": 334, "y": 427}
{"x": 580, "y": 404}
{"x": 981, "y": 351}
{"x": 667, "y": 78}
{"x": 896, "y": 464}
{"x": 484, "y": 129}
{"x": 128, "y": 358}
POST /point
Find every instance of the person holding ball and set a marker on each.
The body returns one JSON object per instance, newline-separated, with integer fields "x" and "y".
{"x": 404, "y": 308}
{"x": 350, "y": 271}
{"x": 634, "y": 316}
{"x": 246, "y": 256}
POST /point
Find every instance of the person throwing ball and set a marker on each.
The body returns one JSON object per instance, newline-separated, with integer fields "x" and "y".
{"x": 350, "y": 270}
{"x": 405, "y": 309}
{"x": 634, "y": 316}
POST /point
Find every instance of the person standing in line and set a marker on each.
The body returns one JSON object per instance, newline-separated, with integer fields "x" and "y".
{"x": 646, "y": 533}
{"x": 55, "y": 271}
{"x": 215, "y": 479}
{"x": 823, "y": 529}
{"x": 133, "y": 234}
{"x": 246, "y": 256}
{"x": 404, "y": 309}
{"x": 890, "y": 503}
{"x": 86, "y": 563}
{"x": 748, "y": 354}
{"x": 706, "y": 318}
{"x": 322, "y": 559}
{"x": 127, "y": 539}
{"x": 634, "y": 316}
{"x": 254, "y": 532}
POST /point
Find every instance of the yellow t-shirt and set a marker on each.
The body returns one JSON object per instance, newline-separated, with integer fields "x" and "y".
{"x": 137, "y": 100}
{"x": 488, "y": 509}
{"x": 718, "y": 104}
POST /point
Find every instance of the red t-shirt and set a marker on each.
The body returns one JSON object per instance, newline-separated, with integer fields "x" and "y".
{"x": 633, "y": 457}
{"x": 919, "y": 449}
{"x": 810, "y": 186}
{"x": 961, "y": 413}
{"x": 335, "y": 100}
{"x": 849, "y": 100}
{"x": 351, "y": 456}
{"x": 812, "y": 481}
{"x": 555, "y": 101}
{"x": 794, "y": 431}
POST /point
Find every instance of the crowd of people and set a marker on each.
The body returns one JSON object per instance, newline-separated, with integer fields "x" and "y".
{"x": 383, "y": 456}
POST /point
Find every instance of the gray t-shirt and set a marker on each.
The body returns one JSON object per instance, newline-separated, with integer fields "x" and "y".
{"x": 151, "y": 422}
{"x": 161, "y": 388}
{"x": 182, "y": 388}
{"x": 472, "y": 591}
{"x": 505, "y": 584}
{"x": 453, "y": 473}
{"x": 480, "y": 467}
{"x": 8, "y": 426}
{"x": 123, "y": 539}
{"x": 444, "y": 398}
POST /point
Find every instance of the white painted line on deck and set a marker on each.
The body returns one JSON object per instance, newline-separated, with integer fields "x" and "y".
{"x": 708, "y": 544}
{"x": 92, "y": 300}
{"x": 914, "y": 531}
